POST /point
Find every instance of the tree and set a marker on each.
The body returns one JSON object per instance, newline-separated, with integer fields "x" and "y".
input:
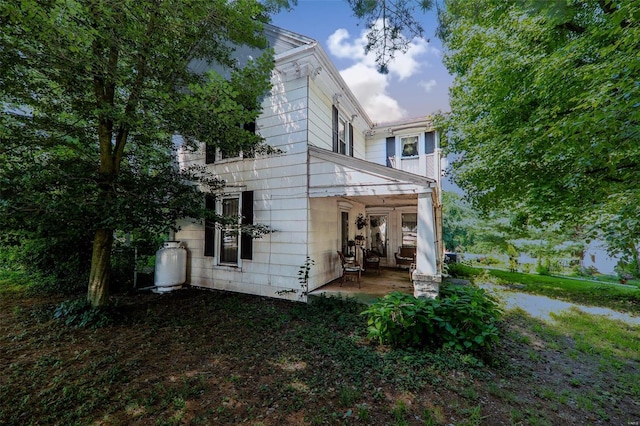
{"x": 93, "y": 93}
{"x": 546, "y": 107}
{"x": 392, "y": 25}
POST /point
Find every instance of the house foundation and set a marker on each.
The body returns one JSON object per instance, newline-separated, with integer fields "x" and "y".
{"x": 427, "y": 286}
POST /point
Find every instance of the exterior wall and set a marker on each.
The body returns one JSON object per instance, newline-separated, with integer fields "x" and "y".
{"x": 324, "y": 236}
{"x": 279, "y": 183}
{"x": 320, "y": 120}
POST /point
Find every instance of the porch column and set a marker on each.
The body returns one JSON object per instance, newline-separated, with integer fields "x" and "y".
{"x": 426, "y": 279}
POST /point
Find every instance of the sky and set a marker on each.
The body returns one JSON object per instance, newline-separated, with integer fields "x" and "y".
{"x": 417, "y": 83}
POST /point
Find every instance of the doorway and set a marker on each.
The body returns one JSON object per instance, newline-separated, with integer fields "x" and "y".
{"x": 378, "y": 228}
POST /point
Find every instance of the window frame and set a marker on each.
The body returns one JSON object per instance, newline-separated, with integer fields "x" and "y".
{"x": 343, "y": 142}
{"x": 225, "y": 229}
{"x": 416, "y": 143}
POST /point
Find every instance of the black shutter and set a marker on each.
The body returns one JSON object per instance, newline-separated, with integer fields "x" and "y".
{"x": 350, "y": 140}
{"x": 391, "y": 149}
{"x": 429, "y": 142}
{"x": 209, "y": 227}
{"x": 334, "y": 112}
{"x": 210, "y": 153}
{"x": 246, "y": 240}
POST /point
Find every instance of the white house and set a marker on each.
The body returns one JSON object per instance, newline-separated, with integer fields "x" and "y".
{"x": 335, "y": 164}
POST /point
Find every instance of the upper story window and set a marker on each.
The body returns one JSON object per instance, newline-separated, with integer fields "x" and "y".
{"x": 342, "y": 133}
{"x": 409, "y": 146}
{"x": 342, "y": 136}
{"x": 213, "y": 154}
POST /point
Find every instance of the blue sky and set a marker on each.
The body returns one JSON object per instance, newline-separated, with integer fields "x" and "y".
{"x": 417, "y": 83}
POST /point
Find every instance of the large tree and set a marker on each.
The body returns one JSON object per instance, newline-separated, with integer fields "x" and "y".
{"x": 92, "y": 92}
{"x": 546, "y": 107}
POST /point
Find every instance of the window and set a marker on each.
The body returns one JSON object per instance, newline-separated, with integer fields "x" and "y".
{"x": 409, "y": 146}
{"x": 342, "y": 136}
{"x": 229, "y": 237}
{"x": 342, "y": 133}
{"x": 213, "y": 153}
{"x": 231, "y": 242}
{"x": 410, "y": 229}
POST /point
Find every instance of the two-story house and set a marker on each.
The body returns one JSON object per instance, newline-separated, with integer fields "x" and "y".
{"x": 334, "y": 164}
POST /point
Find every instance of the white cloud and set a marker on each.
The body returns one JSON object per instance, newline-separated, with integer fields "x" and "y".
{"x": 428, "y": 85}
{"x": 369, "y": 86}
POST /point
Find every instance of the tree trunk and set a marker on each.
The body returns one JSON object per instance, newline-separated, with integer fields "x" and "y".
{"x": 98, "y": 293}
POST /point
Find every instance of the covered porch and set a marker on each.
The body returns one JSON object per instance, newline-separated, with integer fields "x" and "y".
{"x": 400, "y": 209}
{"x": 372, "y": 286}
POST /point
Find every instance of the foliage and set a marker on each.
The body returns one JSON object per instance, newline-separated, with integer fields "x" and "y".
{"x": 400, "y": 319}
{"x": 156, "y": 365}
{"x": 466, "y": 318}
{"x": 392, "y": 26}
{"x": 460, "y": 270}
{"x": 627, "y": 268}
{"x": 92, "y": 95}
{"x": 80, "y": 313}
{"x": 361, "y": 221}
{"x": 459, "y": 222}
{"x": 463, "y": 318}
{"x": 546, "y": 109}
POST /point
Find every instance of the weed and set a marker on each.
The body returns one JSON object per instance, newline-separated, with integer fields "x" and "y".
{"x": 347, "y": 396}
{"x": 363, "y": 414}
{"x": 400, "y": 411}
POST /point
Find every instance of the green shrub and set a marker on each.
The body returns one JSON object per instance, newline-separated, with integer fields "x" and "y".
{"x": 460, "y": 270}
{"x": 463, "y": 318}
{"x": 466, "y": 318}
{"x": 400, "y": 319}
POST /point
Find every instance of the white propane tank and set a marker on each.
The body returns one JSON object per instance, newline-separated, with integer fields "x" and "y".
{"x": 171, "y": 267}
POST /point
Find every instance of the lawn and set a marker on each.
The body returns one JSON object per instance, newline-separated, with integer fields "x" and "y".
{"x": 207, "y": 357}
{"x": 624, "y": 298}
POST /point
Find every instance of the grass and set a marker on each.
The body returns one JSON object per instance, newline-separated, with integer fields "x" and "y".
{"x": 206, "y": 357}
{"x": 622, "y": 298}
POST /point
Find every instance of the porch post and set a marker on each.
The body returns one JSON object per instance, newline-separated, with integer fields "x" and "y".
{"x": 426, "y": 279}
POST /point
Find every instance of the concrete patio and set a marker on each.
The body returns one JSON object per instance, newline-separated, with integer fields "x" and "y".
{"x": 372, "y": 286}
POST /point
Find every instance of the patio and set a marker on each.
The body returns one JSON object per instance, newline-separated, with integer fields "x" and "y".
{"x": 372, "y": 286}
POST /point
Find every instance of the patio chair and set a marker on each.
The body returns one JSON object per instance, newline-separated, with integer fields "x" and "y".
{"x": 370, "y": 260}
{"x": 405, "y": 256}
{"x": 349, "y": 268}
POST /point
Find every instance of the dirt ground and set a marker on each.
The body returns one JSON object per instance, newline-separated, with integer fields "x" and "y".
{"x": 205, "y": 357}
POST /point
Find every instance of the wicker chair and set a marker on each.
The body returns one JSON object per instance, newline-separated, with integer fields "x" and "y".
{"x": 349, "y": 269}
{"x": 405, "y": 256}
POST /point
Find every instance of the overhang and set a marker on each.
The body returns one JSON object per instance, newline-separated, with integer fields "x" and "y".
{"x": 337, "y": 175}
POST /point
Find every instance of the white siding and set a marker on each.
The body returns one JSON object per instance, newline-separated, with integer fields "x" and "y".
{"x": 377, "y": 150}
{"x": 279, "y": 183}
{"x": 320, "y": 120}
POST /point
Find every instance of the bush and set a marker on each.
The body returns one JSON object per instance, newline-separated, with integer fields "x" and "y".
{"x": 460, "y": 270}
{"x": 400, "y": 319}
{"x": 466, "y": 318}
{"x": 79, "y": 313}
{"x": 57, "y": 263}
{"x": 463, "y": 318}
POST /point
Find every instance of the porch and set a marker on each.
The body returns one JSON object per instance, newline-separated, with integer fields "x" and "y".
{"x": 372, "y": 286}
